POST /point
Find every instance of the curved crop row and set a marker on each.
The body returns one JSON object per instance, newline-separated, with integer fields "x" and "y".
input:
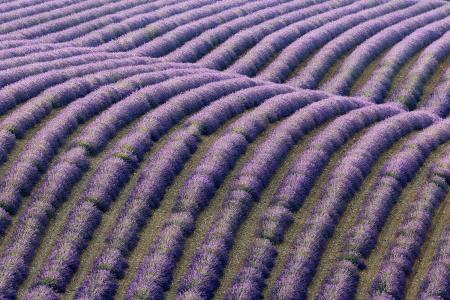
{"x": 44, "y": 145}
{"x": 189, "y": 204}
{"x": 437, "y": 284}
{"x": 284, "y": 63}
{"x": 27, "y": 9}
{"x": 428, "y": 62}
{"x": 398, "y": 262}
{"x": 141, "y": 36}
{"x": 439, "y": 102}
{"x": 201, "y": 149}
{"x": 167, "y": 43}
{"x": 95, "y": 135}
{"x": 190, "y": 134}
{"x": 98, "y": 195}
{"x": 206, "y": 41}
{"x": 258, "y": 57}
{"x": 342, "y": 184}
{"x": 16, "y": 25}
{"x": 224, "y": 55}
{"x": 247, "y": 187}
{"x": 78, "y": 157}
{"x": 88, "y": 26}
{"x": 74, "y": 19}
{"x": 16, "y": 5}
{"x": 292, "y": 192}
{"x": 396, "y": 173}
{"x": 138, "y": 21}
{"x": 320, "y": 63}
{"x": 272, "y": 40}
{"x": 364, "y": 54}
{"x": 378, "y": 85}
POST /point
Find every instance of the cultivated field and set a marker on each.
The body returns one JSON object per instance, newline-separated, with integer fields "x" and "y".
{"x": 234, "y": 149}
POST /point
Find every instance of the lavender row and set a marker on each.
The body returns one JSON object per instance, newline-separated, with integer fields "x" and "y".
{"x": 13, "y": 27}
{"x": 129, "y": 149}
{"x": 164, "y": 112}
{"x": 141, "y": 36}
{"x": 320, "y": 63}
{"x": 292, "y": 192}
{"x": 23, "y": 175}
{"x": 17, "y": 123}
{"x": 156, "y": 8}
{"x": 25, "y": 73}
{"x": 103, "y": 188}
{"x": 379, "y": 84}
{"x": 368, "y": 51}
{"x": 209, "y": 261}
{"x": 74, "y": 19}
{"x": 56, "y": 268}
{"x": 33, "y": 161}
{"x": 170, "y": 41}
{"x": 257, "y": 57}
{"x": 437, "y": 283}
{"x": 293, "y": 55}
{"x": 428, "y": 62}
{"x": 31, "y": 10}
{"x": 33, "y": 58}
{"x": 15, "y": 43}
{"x": 207, "y": 41}
{"x": 343, "y": 182}
{"x": 16, "y": 48}
{"x": 28, "y": 54}
{"x": 55, "y": 189}
{"x": 50, "y": 25}
{"x": 115, "y": 29}
{"x": 30, "y": 80}
{"x": 124, "y": 237}
{"x": 139, "y": 21}
{"x": 205, "y": 179}
{"x": 224, "y": 55}
{"x": 8, "y": 6}
{"x": 439, "y": 102}
{"x": 362, "y": 238}
{"x": 96, "y": 135}
{"x": 411, "y": 234}
{"x": 158, "y": 174}
{"x": 37, "y": 108}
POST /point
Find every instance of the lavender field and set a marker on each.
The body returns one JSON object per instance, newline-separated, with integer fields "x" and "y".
{"x": 232, "y": 149}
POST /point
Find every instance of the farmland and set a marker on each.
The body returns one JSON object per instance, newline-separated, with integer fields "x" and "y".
{"x": 204, "y": 149}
